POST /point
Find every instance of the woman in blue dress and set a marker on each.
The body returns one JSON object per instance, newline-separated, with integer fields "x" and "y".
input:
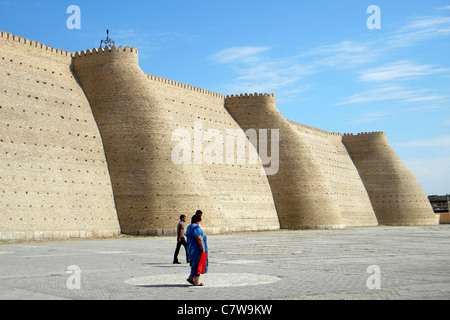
{"x": 196, "y": 245}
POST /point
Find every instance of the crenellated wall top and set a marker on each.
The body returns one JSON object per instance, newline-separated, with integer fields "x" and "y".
{"x": 184, "y": 86}
{"x": 120, "y": 49}
{"x": 33, "y": 44}
{"x": 250, "y": 95}
{"x": 365, "y": 133}
{"x": 315, "y": 130}
{"x": 362, "y": 135}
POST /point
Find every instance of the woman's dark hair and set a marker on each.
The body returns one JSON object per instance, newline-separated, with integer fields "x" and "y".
{"x": 199, "y": 212}
{"x": 195, "y": 219}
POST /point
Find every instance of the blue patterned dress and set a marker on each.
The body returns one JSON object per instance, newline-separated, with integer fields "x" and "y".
{"x": 194, "y": 249}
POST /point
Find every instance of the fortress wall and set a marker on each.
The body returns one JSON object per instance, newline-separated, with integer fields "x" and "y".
{"x": 300, "y": 189}
{"x": 396, "y": 196}
{"x": 137, "y": 115}
{"x": 239, "y": 192}
{"x": 338, "y": 168}
{"x": 54, "y": 180}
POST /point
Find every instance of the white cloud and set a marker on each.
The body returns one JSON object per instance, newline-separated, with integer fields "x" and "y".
{"x": 427, "y": 23}
{"x": 256, "y": 71}
{"x": 428, "y": 107}
{"x": 441, "y": 141}
{"x": 370, "y": 117}
{"x": 419, "y": 29}
{"x": 238, "y": 54}
{"x": 345, "y": 54}
{"x": 380, "y": 94}
{"x": 400, "y": 70}
{"x": 425, "y": 98}
{"x": 343, "y": 46}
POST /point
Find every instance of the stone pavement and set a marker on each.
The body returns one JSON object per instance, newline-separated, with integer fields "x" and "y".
{"x": 363, "y": 263}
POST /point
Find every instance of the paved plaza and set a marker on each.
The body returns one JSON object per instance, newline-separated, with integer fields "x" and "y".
{"x": 362, "y": 263}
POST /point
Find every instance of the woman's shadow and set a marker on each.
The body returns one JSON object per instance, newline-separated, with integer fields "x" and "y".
{"x": 165, "y": 285}
{"x": 168, "y": 285}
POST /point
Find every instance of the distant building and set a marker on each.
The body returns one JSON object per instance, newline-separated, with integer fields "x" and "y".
{"x": 440, "y": 204}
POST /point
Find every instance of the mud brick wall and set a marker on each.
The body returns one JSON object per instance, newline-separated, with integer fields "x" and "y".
{"x": 395, "y": 194}
{"x": 137, "y": 115}
{"x": 87, "y": 141}
{"x": 301, "y": 191}
{"x": 348, "y": 190}
{"x": 54, "y": 179}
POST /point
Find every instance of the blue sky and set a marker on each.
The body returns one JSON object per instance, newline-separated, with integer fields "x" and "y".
{"x": 326, "y": 67}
